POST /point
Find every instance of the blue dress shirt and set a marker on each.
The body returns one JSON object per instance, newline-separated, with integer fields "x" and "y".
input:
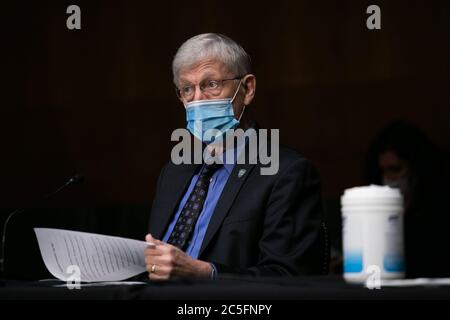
{"x": 218, "y": 181}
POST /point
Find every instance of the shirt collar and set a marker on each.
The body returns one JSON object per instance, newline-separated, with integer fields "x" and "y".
{"x": 229, "y": 164}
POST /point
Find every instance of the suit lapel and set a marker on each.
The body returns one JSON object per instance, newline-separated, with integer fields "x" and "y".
{"x": 229, "y": 193}
{"x": 234, "y": 184}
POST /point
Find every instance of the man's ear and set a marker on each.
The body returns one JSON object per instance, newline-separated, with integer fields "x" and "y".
{"x": 249, "y": 85}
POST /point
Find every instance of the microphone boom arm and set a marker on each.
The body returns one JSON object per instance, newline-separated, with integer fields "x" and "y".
{"x": 76, "y": 179}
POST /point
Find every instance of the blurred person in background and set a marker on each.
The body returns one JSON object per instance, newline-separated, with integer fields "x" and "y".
{"x": 401, "y": 156}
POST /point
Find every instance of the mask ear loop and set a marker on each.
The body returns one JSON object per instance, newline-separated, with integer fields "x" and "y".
{"x": 235, "y": 94}
{"x": 237, "y": 90}
{"x": 242, "y": 113}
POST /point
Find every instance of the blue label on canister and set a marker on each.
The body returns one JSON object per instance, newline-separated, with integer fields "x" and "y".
{"x": 353, "y": 262}
{"x": 394, "y": 263}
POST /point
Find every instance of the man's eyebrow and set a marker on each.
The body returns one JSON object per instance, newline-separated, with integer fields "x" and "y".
{"x": 209, "y": 75}
{"x": 206, "y": 76}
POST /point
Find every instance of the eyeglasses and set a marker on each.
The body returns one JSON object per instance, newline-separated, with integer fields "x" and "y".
{"x": 209, "y": 87}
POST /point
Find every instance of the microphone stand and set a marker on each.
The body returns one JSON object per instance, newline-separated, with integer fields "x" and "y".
{"x": 76, "y": 179}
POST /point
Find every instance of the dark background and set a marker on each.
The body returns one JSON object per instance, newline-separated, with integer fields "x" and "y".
{"x": 100, "y": 101}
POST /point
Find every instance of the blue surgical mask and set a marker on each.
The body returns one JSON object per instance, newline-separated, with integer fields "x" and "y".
{"x": 204, "y": 115}
{"x": 401, "y": 183}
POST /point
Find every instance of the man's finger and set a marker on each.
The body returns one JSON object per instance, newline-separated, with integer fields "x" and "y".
{"x": 153, "y": 251}
{"x": 159, "y": 272}
{"x": 157, "y": 277}
{"x": 149, "y": 238}
{"x": 160, "y": 261}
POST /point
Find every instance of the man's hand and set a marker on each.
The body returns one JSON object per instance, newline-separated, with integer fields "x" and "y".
{"x": 164, "y": 261}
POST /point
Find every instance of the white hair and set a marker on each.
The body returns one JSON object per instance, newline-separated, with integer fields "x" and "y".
{"x": 211, "y": 46}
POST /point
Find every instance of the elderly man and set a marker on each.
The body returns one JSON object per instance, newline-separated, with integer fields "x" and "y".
{"x": 214, "y": 219}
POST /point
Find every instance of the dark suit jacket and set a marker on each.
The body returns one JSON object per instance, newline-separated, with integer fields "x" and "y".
{"x": 262, "y": 225}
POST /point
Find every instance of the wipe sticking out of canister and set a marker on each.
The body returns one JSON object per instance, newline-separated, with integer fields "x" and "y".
{"x": 372, "y": 233}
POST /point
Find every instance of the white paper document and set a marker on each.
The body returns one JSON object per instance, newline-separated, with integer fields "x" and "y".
{"x": 96, "y": 257}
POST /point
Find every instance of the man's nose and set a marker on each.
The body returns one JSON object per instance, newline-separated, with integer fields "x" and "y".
{"x": 198, "y": 94}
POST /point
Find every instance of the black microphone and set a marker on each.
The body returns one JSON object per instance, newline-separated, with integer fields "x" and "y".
{"x": 76, "y": 179}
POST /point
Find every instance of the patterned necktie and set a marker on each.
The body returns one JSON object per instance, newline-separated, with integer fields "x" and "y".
{"x": 191, "y": 211}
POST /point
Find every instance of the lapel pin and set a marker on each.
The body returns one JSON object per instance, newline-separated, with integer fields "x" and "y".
{"x": 241, "y": 173}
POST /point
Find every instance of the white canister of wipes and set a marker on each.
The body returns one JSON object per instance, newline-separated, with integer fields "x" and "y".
{"x": 372, "y": 233}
